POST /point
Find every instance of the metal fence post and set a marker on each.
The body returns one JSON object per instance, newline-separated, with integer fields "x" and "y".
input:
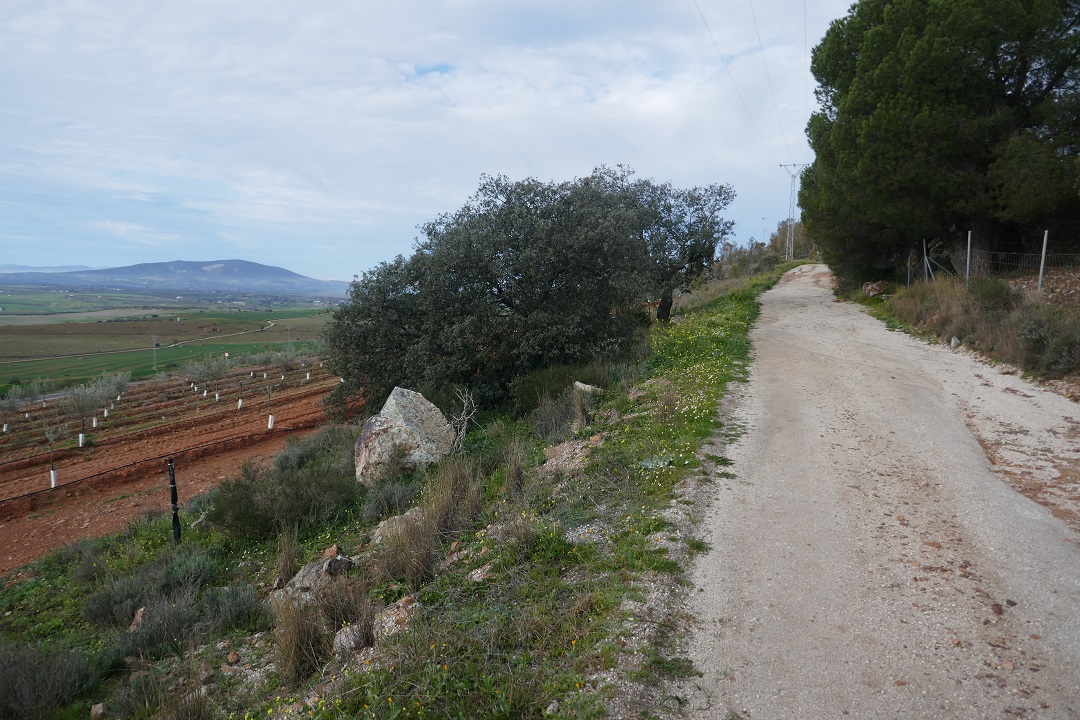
{"x": 175, "y": 505}
{"x": 967, "y": 273}
{"x": 1042, "y": 261}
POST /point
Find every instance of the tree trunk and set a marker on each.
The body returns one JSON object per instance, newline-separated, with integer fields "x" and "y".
{"x": 663, "y": 310}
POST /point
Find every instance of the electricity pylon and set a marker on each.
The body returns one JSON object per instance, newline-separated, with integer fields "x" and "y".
{"x": 795, "y": 171}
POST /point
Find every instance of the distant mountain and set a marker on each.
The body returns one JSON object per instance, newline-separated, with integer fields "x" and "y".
{"x": 234, "y": 276}
{"x": 9, "y": 268}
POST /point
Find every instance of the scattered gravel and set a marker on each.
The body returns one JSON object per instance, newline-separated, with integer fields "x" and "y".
{"x": 871, "y": 556}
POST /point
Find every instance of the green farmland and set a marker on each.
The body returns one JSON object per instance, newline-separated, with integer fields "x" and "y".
{"x": 65, "y": 338}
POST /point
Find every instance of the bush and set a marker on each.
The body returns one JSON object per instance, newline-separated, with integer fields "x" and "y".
{"x": 450, "y": 502}
{"x": 116, "y": 602}
{"x": 452, "y": 496}
{"x": 389, "y": 497}
{"x": 530, "y": 389}
{"x": 288, "y": 559}
{"x": 997, "y": 320}
{"x": 35, "y": 679}
{"x": 169, "y": 625}
{"x": 234, "y": 607}
{"x": 301, "y": 643}
{"x": 260, "y": 504}
{"x": 553, "y": 418}
{"x": 346, "y": 602}
{"x": 991, "y": 292}
{"x": 408, "y": 555}
{"x": 85, "y": 561}
{"x": 298, "y": 452}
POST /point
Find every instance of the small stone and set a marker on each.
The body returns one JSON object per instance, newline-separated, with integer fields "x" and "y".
{"x": 140, "y": 615}
{"x": 233, "y": 657}
{"x": 997, "y": 609}
{"x": 332, "y": 552}
{"x": 1007, "y": 665}
{"x": 552, "y": 708}
{"x": 97, "y": 711}
{"x": 1010, "y": 603}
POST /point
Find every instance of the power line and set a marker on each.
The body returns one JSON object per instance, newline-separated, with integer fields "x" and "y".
{"x": 806, "y": 64}
{"x": 768, "y": 76}
{"x": 733, "y": 84}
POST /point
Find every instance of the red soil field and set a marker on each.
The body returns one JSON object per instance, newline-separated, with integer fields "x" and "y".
{"x": 102, "y": 487}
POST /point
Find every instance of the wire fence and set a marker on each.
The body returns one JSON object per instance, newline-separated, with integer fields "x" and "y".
{"x": 1010, "y": 265}
{"x": 973, "y": 262}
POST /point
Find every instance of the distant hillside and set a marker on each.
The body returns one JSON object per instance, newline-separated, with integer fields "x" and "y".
{"x": 180, "y": 275}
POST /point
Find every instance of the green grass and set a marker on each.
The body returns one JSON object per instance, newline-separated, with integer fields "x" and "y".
{"x": 540, "y": 616}
{"x": 70, "y": 371}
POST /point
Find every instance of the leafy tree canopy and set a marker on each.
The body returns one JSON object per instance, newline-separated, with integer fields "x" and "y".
{"x": 939, "y": 116}
{"x": 525, "y": 275}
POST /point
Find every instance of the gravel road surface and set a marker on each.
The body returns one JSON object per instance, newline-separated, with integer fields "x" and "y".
{"x": 898, "y": 535}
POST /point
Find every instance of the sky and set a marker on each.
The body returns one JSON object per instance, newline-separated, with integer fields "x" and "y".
{"x": 319, "y": 136}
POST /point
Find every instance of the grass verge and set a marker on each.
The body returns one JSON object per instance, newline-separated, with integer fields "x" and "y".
{"x": 521, "y": 576}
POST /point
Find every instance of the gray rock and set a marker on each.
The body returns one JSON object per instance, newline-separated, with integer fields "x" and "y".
{"x": 587, "y": 389}
{"x": 311, "y": 579}
{"x": 409, "y": 423}
{"x": 348, "y": 640}
{"x": 393, "y": 525}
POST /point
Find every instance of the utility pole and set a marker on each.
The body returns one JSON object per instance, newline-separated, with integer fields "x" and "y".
{"x": 795, "y": 171}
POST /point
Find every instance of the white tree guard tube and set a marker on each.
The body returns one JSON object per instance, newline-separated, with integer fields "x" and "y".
{"x": 270, "y": 423}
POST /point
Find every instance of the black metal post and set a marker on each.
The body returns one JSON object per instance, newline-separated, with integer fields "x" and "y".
{"x": 175, "y": 504}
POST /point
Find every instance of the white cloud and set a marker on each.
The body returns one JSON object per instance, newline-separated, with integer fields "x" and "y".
{"x": 135, "y": 233}
{"x": 348, "y": 124}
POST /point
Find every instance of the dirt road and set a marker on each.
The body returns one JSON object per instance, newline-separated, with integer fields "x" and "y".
{"x": 899, "y": 538}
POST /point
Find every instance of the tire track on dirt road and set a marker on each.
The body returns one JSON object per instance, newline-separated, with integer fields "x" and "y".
{"x": 869, "y": 559}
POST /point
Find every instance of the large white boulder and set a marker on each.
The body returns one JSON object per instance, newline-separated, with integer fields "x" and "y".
{"x": 408, "y": 422}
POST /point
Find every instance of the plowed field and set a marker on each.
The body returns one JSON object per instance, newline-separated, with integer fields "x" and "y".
{"x": 122, "y": 470}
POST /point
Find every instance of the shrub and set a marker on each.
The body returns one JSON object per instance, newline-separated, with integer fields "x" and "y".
{"x": 169, "y": 624}
{"x": 35, "y": 679}
{"x": 450, "y": 502}
{"x": 408, "y": 555}
{"x": 345, "y": 601}
{"x": 301, "y": 643}
{"x": 529, "y": 390}
{"x": 116, "y": 602}
{"x": 178, "y": 569}
{"x": 515, "y": 468}
{"x": 452, "y": 497}
{"x": 298, "y": 452}
{"x": 288, "y": 559}
{"x": 85, "y": 561}
{"x": 553, "y": 418}
{"x": 262, "y": 503}
{"x": 234, "y": 607}
{"x": 991, "y": 292}
{"x": 389, "y": 497}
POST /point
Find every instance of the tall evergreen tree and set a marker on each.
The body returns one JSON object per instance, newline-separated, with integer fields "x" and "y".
{"x": 939, "y": 116}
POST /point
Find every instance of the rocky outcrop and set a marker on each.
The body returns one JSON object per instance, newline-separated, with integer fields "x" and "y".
{"x": 870, "y": 289}
{"x": 313, "y": 577}
{"x": 393, "y": 525}
{"x": 408, "y": 425}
